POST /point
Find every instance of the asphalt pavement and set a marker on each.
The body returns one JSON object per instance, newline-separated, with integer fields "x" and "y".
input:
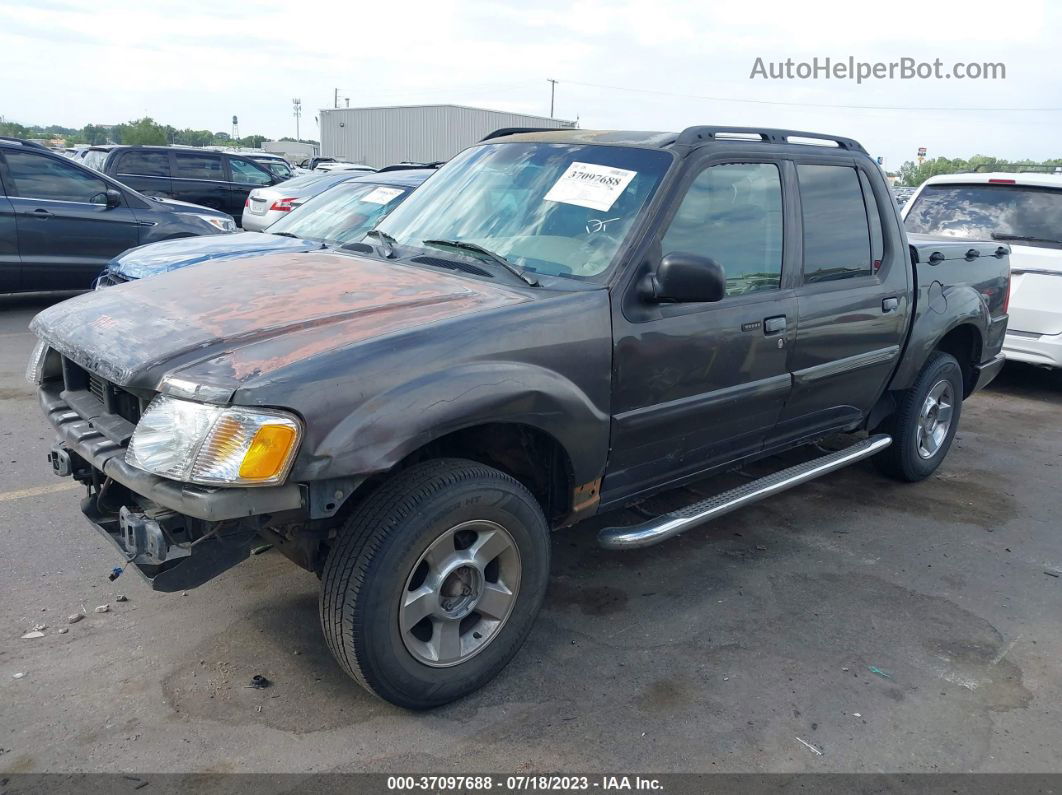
{"x": 852, "y": 624}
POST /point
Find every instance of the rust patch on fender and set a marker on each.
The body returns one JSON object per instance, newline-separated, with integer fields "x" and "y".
{"x": 586, "y": 497}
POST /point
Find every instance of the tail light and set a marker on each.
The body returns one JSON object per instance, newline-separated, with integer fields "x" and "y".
{"x": 284, "y": 205}
{"x": 247, "y": 201}
{"x": 1001, "y": 182}
{"x": 1006, "y": 294}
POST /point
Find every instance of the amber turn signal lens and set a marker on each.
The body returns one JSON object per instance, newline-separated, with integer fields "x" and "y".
{"x": 268, "y": 452}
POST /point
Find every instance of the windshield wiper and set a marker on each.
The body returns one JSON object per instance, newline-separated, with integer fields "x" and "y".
{"x": 285, "y": 234}
{"x": 498, "y": 259}
{"x": 385, "y": 238}
{"x": 1025, "y": 238}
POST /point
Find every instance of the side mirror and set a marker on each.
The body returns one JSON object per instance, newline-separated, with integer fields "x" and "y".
{"x": 113, "y": 198}
{"x": 686, "y": 278}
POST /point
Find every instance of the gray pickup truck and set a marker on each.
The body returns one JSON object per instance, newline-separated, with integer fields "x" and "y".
{"x": 556, "y": 324}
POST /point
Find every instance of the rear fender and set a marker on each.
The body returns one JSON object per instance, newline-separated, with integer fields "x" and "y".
{"x": 940, "y": 309}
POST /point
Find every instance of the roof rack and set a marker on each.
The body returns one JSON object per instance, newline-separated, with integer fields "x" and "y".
{"x": 503, "y": 131}
{"x": 23, "y": 142}
{"x": 1015, "y": 168}
{"x": 410, "y": 166}
{"x": 694, "y": 135}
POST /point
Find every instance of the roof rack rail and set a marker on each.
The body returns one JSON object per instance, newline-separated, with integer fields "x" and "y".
{"x": 694, "y": 135}
{"x": 23, "y": 142}
{"x": 410, "y": 166}
{"x": 503, "y": 131}
{"x": 1015, "y": 168}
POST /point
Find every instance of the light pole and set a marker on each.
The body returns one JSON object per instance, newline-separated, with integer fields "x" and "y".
{"x": 296, "y": 105}
{"x": 552, "y": 92}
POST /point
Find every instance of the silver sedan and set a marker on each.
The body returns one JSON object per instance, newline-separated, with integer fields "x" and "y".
{"x": 264, "y": 206}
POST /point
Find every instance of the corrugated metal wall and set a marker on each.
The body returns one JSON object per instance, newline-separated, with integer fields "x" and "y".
{"x": 382, "y": 136}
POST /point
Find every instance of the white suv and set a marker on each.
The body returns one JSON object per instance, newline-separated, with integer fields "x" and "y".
{"x": 1023, "y": 210}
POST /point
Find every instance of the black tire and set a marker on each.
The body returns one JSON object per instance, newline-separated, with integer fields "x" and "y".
{"x": 902, "y": 459}
{"x": 375, "y": 554}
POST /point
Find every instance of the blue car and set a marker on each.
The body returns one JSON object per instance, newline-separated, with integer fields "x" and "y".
{"x": 338, "y": 216}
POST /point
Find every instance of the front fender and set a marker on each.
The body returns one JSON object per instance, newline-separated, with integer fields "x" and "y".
{"x": 386, "y": 428}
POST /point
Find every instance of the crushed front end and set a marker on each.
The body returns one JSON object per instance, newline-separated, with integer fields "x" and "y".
{"x": 177, "y": 535}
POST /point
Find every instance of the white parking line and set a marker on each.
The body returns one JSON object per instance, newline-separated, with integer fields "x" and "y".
{"x": 37, "y": 491}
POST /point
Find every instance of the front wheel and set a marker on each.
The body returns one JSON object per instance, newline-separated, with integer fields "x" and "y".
{"x": 434, "y": 582}
{"x": 925, "y": 422}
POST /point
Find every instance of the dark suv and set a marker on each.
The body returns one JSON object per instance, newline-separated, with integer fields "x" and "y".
{"x": 60, "y": 222}
{"x": 220, "y": 180}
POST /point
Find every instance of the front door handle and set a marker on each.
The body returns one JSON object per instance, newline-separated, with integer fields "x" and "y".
{"x": 773, "y": 325}
{"x": 40, "y": 212}
{"x": 890, "y": 304}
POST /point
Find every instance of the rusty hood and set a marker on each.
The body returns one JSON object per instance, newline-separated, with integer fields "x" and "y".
{"x": 243, "y": 318}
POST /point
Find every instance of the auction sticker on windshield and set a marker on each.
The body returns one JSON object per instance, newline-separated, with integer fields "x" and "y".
{"x": 590, "y": 185}
{"x": 382, "y": 195}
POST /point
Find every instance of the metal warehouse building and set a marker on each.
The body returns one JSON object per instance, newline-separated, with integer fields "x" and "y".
{"x": 421, "y": 133}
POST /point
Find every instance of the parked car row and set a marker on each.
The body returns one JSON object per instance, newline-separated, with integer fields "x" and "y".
{"x": 333, "y": 218}
{"x": 219, "y": 180}
{"x": 61, "y": 222}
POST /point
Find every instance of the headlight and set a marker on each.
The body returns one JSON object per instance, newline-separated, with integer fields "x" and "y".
{"x": 35, "y": 366}
{"x": 214, "y": 445}
{"x": 222, "y": 224}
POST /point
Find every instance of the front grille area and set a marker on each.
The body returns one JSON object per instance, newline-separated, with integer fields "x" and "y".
{"x": 108, "y": 398}
{"x": 97, "y": 386}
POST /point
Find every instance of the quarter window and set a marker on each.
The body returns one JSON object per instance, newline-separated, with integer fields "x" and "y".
{"x": 196, "y": 166}
{"x": 247, "y": 173}
{"x": 144, "y": 164}
{"x": 733, "y": 214}
{"x": 836, "y": 230}
{"x": 42, "y": 177}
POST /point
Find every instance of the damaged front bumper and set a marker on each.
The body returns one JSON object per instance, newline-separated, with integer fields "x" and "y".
{"x": 177, "y": 535}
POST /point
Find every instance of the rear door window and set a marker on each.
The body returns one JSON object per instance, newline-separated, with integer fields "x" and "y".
{"x": 193, "y": 165}
{"x": 144, "y": 164}
{"x": 245, "y": 172}
{"x": 38, "y": 176}
{"x": 836, "y": 228}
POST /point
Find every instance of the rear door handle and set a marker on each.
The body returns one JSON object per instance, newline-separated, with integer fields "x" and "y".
{"x": 890, "y": 304}
{"x": 773, "y": 325}
{"x": 40, "y": 212}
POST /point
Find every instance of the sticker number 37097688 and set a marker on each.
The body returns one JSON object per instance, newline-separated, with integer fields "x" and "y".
{"x": 590, "y": 185}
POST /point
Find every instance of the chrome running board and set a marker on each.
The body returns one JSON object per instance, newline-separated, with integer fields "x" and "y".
{"x": 671, "y": 524}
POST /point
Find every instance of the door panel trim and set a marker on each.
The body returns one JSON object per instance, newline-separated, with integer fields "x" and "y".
{"x": 679, "y": 409}
{"x": 818, "y": 372}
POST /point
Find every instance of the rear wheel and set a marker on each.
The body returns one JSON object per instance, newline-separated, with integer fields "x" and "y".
{"x": 434, "y": 582}
{"x": 925, "y": 422}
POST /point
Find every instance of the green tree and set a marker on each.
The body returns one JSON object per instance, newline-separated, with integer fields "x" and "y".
{"x": 913, "y": 175}
{"x": 144, "y": 131}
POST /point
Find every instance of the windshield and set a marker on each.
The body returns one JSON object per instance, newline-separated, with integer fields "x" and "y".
{"x": 981, "y": 211}
{"x": 342, "y": 214}
{"x": 304, "y": 180}
{"x": 556, "y": 209}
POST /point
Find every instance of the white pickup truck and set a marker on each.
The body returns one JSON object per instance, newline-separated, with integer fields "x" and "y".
{"x": 1023, "y": 210}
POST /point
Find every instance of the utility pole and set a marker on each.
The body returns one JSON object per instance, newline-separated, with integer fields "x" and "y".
{"x": 296, "y": 105}
{"x": 552, "y": 92}
{"x": 335, "y": 99}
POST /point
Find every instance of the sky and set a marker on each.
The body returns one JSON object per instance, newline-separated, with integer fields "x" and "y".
{"x": 620, "y": 64}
